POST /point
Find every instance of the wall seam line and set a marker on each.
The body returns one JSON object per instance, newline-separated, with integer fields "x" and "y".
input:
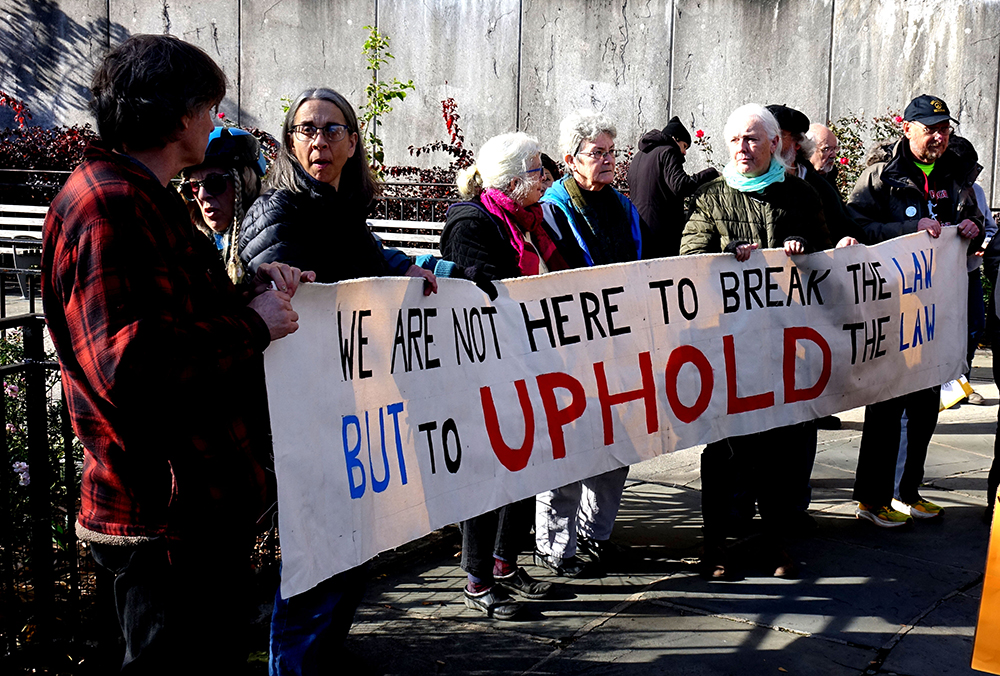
{"x": 996, "y": 139}
{"x": 239, "y": 63}
{"x": 673, "y": 52}
{"x": 829, "y": 66}
{"x": 520, "y": 48}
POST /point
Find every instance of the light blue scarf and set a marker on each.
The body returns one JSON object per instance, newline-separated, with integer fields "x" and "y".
{"x": 737, "y": 181}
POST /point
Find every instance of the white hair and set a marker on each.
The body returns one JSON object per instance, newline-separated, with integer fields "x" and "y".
{"x": 502, "y": 159}
{"x": 739, "y": 119}
{"x": 583, "y": 125}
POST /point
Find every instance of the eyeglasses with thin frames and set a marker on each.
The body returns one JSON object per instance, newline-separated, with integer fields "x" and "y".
{"x": 931, "y": 131}
{"x": 600, "y": 156}
{"x": 307, "y": 132}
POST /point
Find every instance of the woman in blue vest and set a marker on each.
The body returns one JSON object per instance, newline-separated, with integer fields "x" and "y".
{"x": 591, "y": 223}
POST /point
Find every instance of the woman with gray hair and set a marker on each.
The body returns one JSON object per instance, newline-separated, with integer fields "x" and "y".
{"x": 319, "y": 190}
{"x": 591, "y": 224}
{"x": 498, "y": 234}
{"x": 754, "y": 204}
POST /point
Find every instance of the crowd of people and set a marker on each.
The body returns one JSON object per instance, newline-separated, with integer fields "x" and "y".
{"x": 160, "y": 305}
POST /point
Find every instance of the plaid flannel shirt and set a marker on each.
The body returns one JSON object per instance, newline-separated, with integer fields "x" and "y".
{"x": 158, "y": 356}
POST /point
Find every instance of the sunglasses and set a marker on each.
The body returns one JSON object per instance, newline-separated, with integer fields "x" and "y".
{"x": 214, "y": 184}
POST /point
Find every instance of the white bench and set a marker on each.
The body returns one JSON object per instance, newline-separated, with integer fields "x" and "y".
{"x": 20, "y": 221}
{"x": 413, "y": 238}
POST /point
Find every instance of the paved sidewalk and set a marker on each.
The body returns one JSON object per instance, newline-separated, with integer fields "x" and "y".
{"x": 868, "y": 601}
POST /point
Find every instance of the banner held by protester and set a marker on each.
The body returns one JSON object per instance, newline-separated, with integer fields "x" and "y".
{"x": 394, "y": 413}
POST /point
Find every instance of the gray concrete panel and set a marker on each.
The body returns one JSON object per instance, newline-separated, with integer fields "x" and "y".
{"x": 612, "y": 57}
{"x": 471, "y": 57}
{"x": 885, "y": 53}
{"x": 50, "y": 51}
{"x": 731, "y": 52}
{"x": 289, "y": 46}
{"x": 212, "y": 26}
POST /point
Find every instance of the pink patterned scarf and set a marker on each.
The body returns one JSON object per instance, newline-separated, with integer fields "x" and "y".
{"x": 520, "y": 221}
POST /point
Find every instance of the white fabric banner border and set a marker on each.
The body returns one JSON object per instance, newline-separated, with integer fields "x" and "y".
{"x": 394, "y": 414}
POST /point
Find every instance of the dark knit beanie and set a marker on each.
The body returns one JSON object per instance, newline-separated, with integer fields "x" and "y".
{"x": 675, "y": 129}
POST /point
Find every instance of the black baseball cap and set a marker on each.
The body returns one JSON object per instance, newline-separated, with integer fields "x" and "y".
{"x": 927, "y": 110}
{"x": 789, "y": 119}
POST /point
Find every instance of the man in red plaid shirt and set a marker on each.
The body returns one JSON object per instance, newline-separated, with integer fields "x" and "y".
{"x": 161, "y": 365}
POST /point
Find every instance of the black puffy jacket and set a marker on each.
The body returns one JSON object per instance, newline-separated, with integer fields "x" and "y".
{"x": 314, "y": 228}
{"x": 657, "y": 187}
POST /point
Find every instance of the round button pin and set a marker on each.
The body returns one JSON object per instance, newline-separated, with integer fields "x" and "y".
{"x": 911, "y": 211}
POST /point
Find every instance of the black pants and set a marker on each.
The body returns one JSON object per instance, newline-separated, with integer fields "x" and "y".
{"x": 757, "y": 472}
{"x": 183, "y": 608}
{"x": 874, "y": 480}
{"x": 502, "y": 532}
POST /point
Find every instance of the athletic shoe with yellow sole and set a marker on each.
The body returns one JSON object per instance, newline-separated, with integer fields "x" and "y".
{"x": 921, "y": 509}
{"x": 882, "y": 516}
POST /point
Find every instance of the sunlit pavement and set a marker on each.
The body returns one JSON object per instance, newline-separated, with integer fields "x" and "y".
{"x": 868, "y": 601}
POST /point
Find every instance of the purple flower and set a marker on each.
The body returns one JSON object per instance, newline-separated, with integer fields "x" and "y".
{"x": 21, "y": 469}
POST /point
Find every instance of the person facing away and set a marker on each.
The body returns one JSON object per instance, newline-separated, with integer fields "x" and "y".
{"x": 658, "y": 187}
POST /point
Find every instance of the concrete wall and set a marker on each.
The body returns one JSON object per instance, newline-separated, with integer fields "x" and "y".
{"x": 527, "y": 63}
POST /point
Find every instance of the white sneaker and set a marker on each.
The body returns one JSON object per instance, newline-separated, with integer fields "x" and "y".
{"x": 921, "y": 509}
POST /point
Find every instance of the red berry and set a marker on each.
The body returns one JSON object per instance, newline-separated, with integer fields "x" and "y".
{"x": 844, "y": 160}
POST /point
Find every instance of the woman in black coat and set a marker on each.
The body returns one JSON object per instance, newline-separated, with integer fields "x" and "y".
{"x": 499, "y": 234}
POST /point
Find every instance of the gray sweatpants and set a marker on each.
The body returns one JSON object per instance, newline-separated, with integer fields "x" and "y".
{"x": 587, "y": 508}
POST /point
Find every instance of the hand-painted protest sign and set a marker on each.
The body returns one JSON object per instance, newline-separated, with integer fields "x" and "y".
{"x": 394, "y": 413}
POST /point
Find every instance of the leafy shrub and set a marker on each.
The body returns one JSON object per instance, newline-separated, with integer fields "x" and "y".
{"x": 379, "y": 95}
{"x": 856, "y": 135}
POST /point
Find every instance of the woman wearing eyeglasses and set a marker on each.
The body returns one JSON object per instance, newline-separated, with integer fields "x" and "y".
{"x": 313, "y": 214}
{"x": 498, "y": 234}
{"x": 319, "y": 191}
{"x": 591, "y": 224}
{"x": 221, "y": 189}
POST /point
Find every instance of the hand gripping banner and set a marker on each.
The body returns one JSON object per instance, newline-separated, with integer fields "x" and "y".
{"x": 394, "y": 414}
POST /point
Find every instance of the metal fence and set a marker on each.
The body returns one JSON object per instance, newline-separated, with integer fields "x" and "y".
{"x": 40, "y": 558}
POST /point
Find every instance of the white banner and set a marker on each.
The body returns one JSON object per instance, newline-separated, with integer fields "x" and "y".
{"x": 394, "y": 414}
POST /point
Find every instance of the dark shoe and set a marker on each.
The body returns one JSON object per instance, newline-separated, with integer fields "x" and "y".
{"x": 715, "y": 566}
{"x": 519, "y": 582}
{"x": 570, "y": 566}
{"x": 784, "y": 566}
{"x": 828, "y": 422}
{"x": 495, "y": 602}
{"x": 604, "y": 553}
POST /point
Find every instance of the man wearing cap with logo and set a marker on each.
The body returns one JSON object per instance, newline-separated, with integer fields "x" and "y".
{"x": 923, "y": 181}
{"x": 658, "y": 186}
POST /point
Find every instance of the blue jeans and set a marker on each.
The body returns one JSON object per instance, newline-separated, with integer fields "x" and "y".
{"x": 308, "y": 629}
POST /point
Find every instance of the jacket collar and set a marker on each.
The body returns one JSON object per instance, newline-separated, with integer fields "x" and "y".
{"x": 959, "y": 162}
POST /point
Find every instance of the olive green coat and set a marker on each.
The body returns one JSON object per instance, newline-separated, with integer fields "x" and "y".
{"x": 724, "y": 217}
